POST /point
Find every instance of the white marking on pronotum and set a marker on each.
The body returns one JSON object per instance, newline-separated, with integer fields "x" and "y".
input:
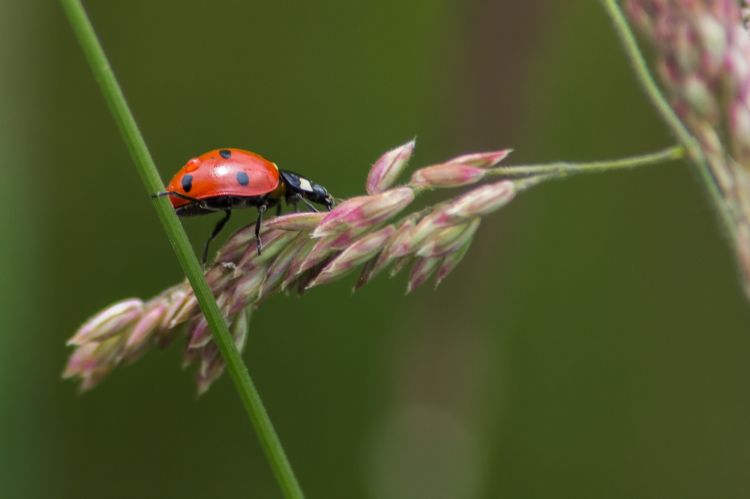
{"x": 305, "y": 185}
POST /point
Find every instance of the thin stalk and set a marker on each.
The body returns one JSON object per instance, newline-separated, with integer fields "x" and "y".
{"x": 637, "y": 61}
{"x": 246, "y": 389}
{"x": 561, "y": 169}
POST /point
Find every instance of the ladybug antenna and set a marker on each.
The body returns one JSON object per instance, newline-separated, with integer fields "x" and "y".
{"x": 309, "y": 204}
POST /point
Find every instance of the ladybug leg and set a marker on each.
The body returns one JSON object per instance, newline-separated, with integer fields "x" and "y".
{"x": 293, "y": 200}
{"x": 278, "y": 209}
{"x": 261, "y": 210}
{"x": 215, "y": 232}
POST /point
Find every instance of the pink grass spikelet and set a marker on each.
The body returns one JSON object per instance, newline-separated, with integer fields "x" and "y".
{"x": 365, "y": 212}
{"x": 335, "y": 221}
{"x": 422, "y": 269}
{"x": 410, "y": 237}
{"x": 449, "y": 240}
{"x": 451, "y": 261}
{"x": 199, "y": 334}
{"x": 306, "y": 222}
{"x": 399, "y": 239}
{"x": 280, "y": 266}
{"x": 173, "y": 298}
{"x": 109, "y": 322}
{"x": 388, "y": 167}
{"x": 294, "y": 271}
{"x": 447, "y": 175}
{"x": 246, "y": 289}
{"x": 80, "y": 361}
{"x": 482, "y": 200}
{"x": 321, "y": 250}
{"x": 354, "y": 255}
{"x": 188, "y": 307}
{"x": 143, "y": 331}
{"x": 482, "y": 159}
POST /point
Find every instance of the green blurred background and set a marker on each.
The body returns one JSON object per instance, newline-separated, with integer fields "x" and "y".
{"x": 594, "y": 343}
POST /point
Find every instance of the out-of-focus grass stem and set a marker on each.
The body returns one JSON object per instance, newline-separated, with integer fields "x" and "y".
{"x": 637, "y": 61}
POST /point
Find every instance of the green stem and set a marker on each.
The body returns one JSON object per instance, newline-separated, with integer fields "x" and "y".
{"x": 563, "y": 168}
{"x": 661, "y": 104}
{"x": 257, "y": 414}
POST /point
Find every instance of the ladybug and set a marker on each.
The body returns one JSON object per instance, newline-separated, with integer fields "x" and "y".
{"x": 225, "y": 179}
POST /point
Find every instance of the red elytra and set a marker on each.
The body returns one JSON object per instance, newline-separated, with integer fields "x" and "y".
{"x": 224, "y": 172}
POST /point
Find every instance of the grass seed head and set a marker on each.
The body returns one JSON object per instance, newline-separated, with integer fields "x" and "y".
{"x": 301, "y": 251}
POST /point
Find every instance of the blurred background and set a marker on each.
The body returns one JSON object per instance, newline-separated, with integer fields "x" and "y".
{"x": 594, "y": 342}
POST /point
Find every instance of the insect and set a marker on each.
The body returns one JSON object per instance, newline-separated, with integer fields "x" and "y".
{"x": 225, "y": 179}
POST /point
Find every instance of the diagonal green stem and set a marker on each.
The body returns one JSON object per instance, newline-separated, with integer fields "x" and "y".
{"x": 643, "y": 74}
{"x": 257, "y": 414}
{"x": 564, "y": 168}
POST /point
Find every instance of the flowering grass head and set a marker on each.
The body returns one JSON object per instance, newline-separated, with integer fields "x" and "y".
{"x": 302, "y": 251}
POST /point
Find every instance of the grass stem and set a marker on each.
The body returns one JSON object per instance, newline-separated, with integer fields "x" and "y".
{"x": 561, "y": 169}
{"x": 144, "y": 163}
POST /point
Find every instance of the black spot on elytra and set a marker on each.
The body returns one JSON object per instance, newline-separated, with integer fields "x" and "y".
{"x": 187, "y": 182}
{"x": 225, "y": 153}
{"x": 242, "y": 178}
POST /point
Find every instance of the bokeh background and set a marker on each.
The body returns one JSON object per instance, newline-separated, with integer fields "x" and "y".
{"x": 594, "y": 343}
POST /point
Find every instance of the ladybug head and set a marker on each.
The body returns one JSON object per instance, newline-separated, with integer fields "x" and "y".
{"x": 321, "y": 196}
{"x": 306, "y": 188}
